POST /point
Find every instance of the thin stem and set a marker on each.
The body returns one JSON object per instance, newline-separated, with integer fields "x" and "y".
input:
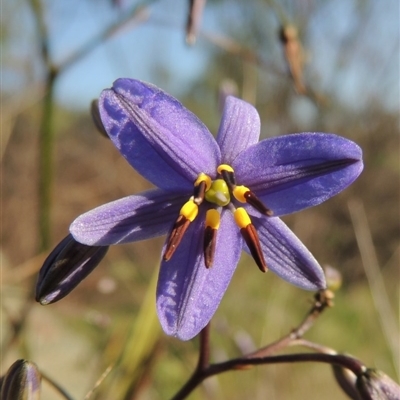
{"x": 319, "y": 348}
{"x": 46, "y": 135}
{"x": 46, "y": 129}
{"x": 46, "y": 144}
{"x": 354, "y": 365}
{"x": 322, "y": 299}
{"x": 344, "y": 361}
{"x": 57, "y": 387}
{"x": 204, "y": 351}
{"x": 202, "y": 365}
{"x": 136, "y": 14}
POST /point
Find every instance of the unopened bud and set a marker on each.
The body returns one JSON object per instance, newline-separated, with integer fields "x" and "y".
{"x": 21, "y": 382}
{"x": 94, "y": 110}
{"x": 347, "y": 381}
{"x": 66, "y": 266}
{"x": 333, "y": 278}
{"x": 375, "y": 385}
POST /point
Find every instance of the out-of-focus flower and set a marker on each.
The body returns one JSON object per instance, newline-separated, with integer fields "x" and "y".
{"x": 21, "y": 382}
{"x": 66, "y": 266}
{"x": 214, "y": 197}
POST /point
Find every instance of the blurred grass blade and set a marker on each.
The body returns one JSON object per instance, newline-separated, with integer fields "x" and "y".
{"x": 375, "y": 280}
{"x": 140, "y": 346}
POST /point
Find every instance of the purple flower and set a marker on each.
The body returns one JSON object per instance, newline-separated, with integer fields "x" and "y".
{"x": 214, "y": 197}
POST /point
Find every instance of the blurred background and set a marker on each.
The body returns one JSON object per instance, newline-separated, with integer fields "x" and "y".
{"x": 307, "y": 65}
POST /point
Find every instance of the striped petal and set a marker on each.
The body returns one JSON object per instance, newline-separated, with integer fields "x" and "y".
{"x": 293, "y": 172}
{"x": 188, "y": 293}
{"x": 239, "y": 128}
{"x": 161, "y": 139}
{"x": 286, "y": 256}
{"x": 129, "y": 219}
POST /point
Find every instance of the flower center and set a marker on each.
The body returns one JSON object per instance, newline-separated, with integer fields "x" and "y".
{"x": 218, "y": 193}
{"x": 221, "y": 192}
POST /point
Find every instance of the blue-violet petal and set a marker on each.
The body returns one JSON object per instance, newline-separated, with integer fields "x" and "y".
{"x": 286, "y": 256}
{"x": 160, "y": 138}
{"x": 129, "y": 219}
{"x": 239, "y": 128}
{"x": 293, "y": 172}
{"x": 188, "y": 294}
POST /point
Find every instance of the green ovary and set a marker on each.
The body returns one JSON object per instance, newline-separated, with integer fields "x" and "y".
{"x": 218, "y": 193}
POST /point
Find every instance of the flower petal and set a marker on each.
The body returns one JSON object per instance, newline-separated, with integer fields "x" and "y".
{"x": 293, "y": 172}
{"x": 129, "y": 219}
{"x": 286, "y": 256}
{"x": 188, "y": 293}
{"x": 239, "y": 128}
{"x": 159, "y": 137}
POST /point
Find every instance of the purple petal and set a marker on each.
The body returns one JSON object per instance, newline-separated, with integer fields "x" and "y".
{"x": 188, "y": 293}
{"x": 286, "y": 256}
{"x": 160, "y": 138}
{"x": 293, "y": 172}
{"x": 239, "y": 128}
{"x": 129, "y": 219}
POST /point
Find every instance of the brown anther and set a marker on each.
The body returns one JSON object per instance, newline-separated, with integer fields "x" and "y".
{"x": 210, "y": 236}
{"x": 175, "y": 237}
{"x": 199, "y": 192}
{"x": 254, "y": 201}
{"x": 250, "y": 236}
{"x": 229, "y": 178}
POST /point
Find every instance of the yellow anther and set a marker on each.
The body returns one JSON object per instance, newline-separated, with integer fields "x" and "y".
{"x": 242, "y": 219}
{"x": 189, "y": 210}
{"x": 224, "y": 167}
{"x": 213, "y": 218}
{"x": 203, "y": 178}
{"x": 239, "y": 192}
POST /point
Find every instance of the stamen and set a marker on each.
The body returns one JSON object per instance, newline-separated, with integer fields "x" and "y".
{"x": 187, "y": 214}
{"x": 224, "y": 167}
{"x": 250, "y": 236}
{"x": 254, "y": 201}
{"x": 210, "y": 235}
{"x": 203, "y": 178}
{"x": 201, "y": 185}
{"x": 227, "y": 173}
{"x": 189, "y": 210}
{"x": 239, "y": 193}
{"x": 245, "y": 195}
{"x": 199, "y": 192}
